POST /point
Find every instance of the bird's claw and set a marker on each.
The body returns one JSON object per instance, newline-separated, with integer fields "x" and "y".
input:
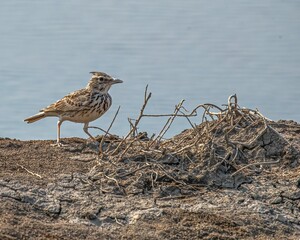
{"x": 58, "y": 144}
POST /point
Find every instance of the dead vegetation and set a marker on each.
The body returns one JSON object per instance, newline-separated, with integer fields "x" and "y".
{"x": 191, "y": 186}
{"x": 230, "y": 145}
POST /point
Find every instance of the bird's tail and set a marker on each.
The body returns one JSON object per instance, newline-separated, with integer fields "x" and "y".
{"x": 35, "y": 117}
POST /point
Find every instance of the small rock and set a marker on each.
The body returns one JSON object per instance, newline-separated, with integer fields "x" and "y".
{"x": 91, "y": 216}
{"x": 11, "y": 145}
{"x": 298, "y": 183}
{"x": 276, "y": 200}
{"x": 170, "y": 191}
{"x": 292, "y": 196}
{"x": 73, "y": 149}
{"x": 83, "y": 158}
{"x": 149, "y": 214}
{"x": 7, "y": 192}
{"x": 295, "y": 196}
{"x": 281, "y": 218}
{"x": 53, "y": 208}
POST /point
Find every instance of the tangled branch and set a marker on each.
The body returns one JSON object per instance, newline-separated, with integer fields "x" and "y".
{"x": 224, "y": 149}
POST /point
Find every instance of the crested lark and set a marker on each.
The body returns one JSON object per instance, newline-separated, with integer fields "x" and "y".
{"x": 82, "y": 106}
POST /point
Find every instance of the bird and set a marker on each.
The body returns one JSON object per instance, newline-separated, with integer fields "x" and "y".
{"x": 81, "y": 106}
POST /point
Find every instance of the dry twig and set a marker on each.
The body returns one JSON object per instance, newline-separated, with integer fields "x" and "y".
{"x": 107, "y": 132}
{"x": 182, "y": 161}
{"x": 30, "y": 172}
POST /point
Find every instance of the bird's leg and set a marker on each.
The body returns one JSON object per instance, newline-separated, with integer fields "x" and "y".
{"x": 58, "y": 143}
{"x": 58, "y": 132}
{"x": 85, "y": 129}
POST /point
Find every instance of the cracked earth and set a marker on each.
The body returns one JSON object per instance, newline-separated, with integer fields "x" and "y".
{"x": 51, "y": 193}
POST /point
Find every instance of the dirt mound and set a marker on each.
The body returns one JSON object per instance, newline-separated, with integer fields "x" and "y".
{"x": 235, "y": 175}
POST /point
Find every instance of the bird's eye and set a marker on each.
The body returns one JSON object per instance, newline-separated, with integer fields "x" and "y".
{"x": 101, "y": 78}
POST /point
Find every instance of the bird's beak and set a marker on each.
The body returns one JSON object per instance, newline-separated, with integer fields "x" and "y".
{"x": 116, "y": 81}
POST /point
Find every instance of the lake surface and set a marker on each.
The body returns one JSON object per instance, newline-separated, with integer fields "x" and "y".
{"x": 198, "y": 50}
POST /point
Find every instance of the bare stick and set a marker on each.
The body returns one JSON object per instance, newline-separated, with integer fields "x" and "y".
{"x": 236, "y": 154}
{"x": 170, "y": 115}
{"x": 205, "y": 106}
{"x": 230, "y": 103}
{"x": 235, "y": 125}
{"x": 134, "y": 171}
{"x": 112, "y": 122}
{"x": 146, "y": 99}
{"x": 247, "y": 145}
{"x": 254, "y": 164}
{"x": 118, "y": 222}
{"x": 131, "y": 126}
{"x": 192, "y": 125}
{"x": 169, "y": 122}
{"x": 101, "y": 129}
{"x": 127, "y": 148}
{"x": 113, "y": 179}
{"x": 32, "y": 173}
{"x": 166, "y": 172}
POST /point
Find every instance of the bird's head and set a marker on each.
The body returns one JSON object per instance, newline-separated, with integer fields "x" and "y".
{"x": 102, "y": 82}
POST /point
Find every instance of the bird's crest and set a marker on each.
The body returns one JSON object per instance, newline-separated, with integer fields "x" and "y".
{"x": 99, "y": 74}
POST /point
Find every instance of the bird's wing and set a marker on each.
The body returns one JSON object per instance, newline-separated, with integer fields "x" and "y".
{"x": 75, "y": 101}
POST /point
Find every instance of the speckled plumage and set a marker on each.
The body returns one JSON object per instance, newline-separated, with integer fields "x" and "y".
{"x": 82, "y": 106}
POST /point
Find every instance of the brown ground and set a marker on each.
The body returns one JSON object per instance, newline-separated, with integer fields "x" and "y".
{"x": 48, "y": 192}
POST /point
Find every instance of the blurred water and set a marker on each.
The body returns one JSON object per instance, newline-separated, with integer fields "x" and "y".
{"x": 197, "y": 50}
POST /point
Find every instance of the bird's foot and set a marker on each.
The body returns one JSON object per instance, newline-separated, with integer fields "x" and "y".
{"x": 58, "y": 144}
